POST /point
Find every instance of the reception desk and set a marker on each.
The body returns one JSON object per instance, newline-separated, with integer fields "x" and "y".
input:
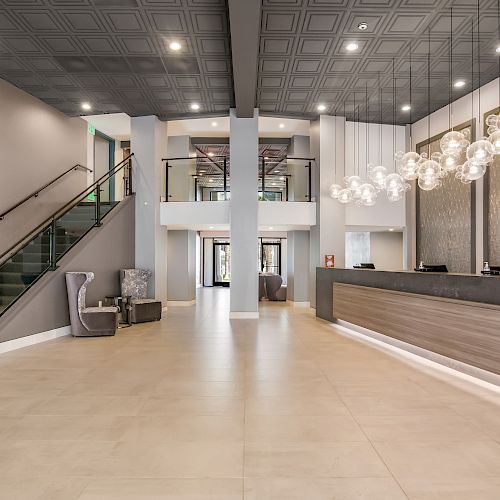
{"x": 456, "y": 316}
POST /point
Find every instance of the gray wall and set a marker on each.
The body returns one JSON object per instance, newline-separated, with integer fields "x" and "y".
{"x": 37, "y": 143}
{"x": 298, "y": 266}
{"x": 386, "y": 250}
{"x": 181, "y": 265}
{"x": 180, "y": 174}
{"x": 104, "y": 251}
{"x": 299, "y": 181}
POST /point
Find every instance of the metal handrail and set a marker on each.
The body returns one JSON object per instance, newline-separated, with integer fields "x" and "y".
{"x": 34, "y": 194}
{"x": 66, "y": 208}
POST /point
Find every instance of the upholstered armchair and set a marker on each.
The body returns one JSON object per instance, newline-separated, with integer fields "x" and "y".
{"x": 274, "y": 288}
{"x": 134, "y": 285}
{"x": 88, "y": 321}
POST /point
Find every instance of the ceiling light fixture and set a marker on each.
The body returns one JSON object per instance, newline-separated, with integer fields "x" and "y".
{"x": 195, "y": 106}
{"x": 497, "y": 50}
{"x": 363, "y": 26}
{"x": 175, "y": 46}
{"x": 210, "y": 154}
{"x": 351, "y": 47}
{"x": 391, "y": 229}
{"x": 321, "y": 107}
{"x": 459, "y": 84}
{"x": 214, "y": 124}
{"x": 86, "y": 106}
{"x": 282, "y": 125}
{"x": 406, "y": 107}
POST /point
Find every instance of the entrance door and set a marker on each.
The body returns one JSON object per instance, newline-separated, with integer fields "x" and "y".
{"x": 270, "y": 257}
{"x": 104, "y": 158}
{"x": 222, "y": 263}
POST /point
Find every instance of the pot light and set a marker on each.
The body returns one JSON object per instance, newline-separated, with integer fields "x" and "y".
{"x": 175, "y": 46}
{"x": 211, "y": 227}
{"x": 282, "y": 125}
{"x": 321, "y": 107}
{"x": 351, "y": 47}
{"x": 86, "y": 106}
{"x": 271, "y": 228}
{"x": 406, "y": 107}
{"x": 210, "y": 154}
{"x": 459, "y": 84}
{"x": 391, "y": 229}
{"x": 266, "y": 157}
{"x": 210, "y": 180}
{"x": 363, "y": 26}
{"x": 195, "y": 106}
{"x": 497, "y": 50}
{"x": 214, "y": 124}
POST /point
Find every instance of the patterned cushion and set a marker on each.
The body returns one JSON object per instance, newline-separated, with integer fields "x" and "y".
{"x": 143, "y": 301}
{"x": 135, "y": 283}
{"x": 100, "y": 309}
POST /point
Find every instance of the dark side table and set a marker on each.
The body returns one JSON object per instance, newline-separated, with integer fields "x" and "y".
{"x": 122, "y": 304}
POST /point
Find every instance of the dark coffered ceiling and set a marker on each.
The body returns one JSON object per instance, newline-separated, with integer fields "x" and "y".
{"x": 114, "y": 54}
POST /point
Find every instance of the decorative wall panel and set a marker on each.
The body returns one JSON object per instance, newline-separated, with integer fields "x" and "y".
{"x": 444, "y": 222}
{"x": 494, "y": 213}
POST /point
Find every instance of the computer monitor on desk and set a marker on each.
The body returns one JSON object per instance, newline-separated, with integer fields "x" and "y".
{"x": 426, "y": 268}
{"x": 364, "y": 265}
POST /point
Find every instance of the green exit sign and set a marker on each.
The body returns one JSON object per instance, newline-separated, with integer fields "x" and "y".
{"x": 91, "y": 129}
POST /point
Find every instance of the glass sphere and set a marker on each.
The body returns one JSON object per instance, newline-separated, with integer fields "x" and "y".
{"x": 472, "y": 171}
{"x": 409, "y": 166}
{"x": 378, "y": 176}
{"x": 491, "y": 130}
{"x": 436, "y": 156}
{"x": 345, "y": 195}
{"x": 394, "y": 182}
{"x": 448, "y": 163}
{"x": 353, "y": 182}
{"x": 481, "y": 151}
{"x": 451, "y": 142}
{"x": 495, "y": 141}
{"x": 394, "y": 194}
{"x": 334, "y": 190}
{"x": 493, "y": 120}
{"x": 368, "y": 191}
{"x": 369, "y": 202}
{"x": 429, "y": 169}
{"x": 427, "y": 183}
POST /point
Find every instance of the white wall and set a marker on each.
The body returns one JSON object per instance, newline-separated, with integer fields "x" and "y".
{"x": 386, "y": 250}
{"x": 37, "y": 143}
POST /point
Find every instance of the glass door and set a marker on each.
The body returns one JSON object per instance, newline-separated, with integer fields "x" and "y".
{"x": 270, "y": 257}
{"x": 222, "y": 263}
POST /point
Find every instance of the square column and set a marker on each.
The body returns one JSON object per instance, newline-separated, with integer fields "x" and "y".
{"x": 149, "y": 145}
{"x": 328, "y": 236}
{"x": 298, "y": 267}
{"x": 244, "y": 147}
{"x": 181, "y": 270}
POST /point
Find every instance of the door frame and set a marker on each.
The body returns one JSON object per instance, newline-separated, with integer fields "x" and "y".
{"x": 278, "y": 244}
{"x": 219, "y": 283}
{"x": 111, "y": 160}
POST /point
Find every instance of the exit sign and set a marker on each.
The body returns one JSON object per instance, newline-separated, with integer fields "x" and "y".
{"x": 91, "y": 129}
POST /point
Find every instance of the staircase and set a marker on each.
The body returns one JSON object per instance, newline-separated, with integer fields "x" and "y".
{"x": 30, "y": 259}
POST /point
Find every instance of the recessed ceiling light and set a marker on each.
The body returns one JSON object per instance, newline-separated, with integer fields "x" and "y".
{"x": 211, "y": 227}
{"x": 210, "y": 180}
{"x": 271, "y": 228}
{"x": 86, "y": 106}
{"x": 459, "y": 84}
{"x": 175, "y": 46}
{"x": 406, "y": 107}
{"x": 195, "y": 106}
{"x": 352, "y": 46}
{"x": 362, "y": 26}
{"x": 391, "y": 229}
{"x": 210, "y": 154}
{"x": 282, "y": 125}
{"x": 214, "y": 124}
{"x": 266, "y": 157}
{"x": 497, "y": 50}
{"x": 282, "y": 178}
{"x": 321, "y": 107}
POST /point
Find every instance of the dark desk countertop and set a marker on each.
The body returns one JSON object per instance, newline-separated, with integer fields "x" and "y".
{"x": 468, "y": 287}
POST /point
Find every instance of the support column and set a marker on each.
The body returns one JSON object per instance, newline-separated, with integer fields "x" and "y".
{"x": 149, "y": 145}
{"x": 244, "y": 147}
{"x": 181, "y": 267}
{"x": 298, "y": 267}
{"x": 328, "y": 236}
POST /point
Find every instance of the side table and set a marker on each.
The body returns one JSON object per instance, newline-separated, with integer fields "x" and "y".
{"x": 122, "y": 304}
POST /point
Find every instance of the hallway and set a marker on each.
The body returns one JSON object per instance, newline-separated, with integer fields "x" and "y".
{"x": 199, "y": 407}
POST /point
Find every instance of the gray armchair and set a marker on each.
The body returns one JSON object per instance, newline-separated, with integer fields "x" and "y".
{"x": 88, "y": 321}
{"x": 134, "y": 284}
{"x": 274, "y": 288}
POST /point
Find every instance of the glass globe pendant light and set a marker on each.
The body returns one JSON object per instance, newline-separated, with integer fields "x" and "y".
{"x": 494, "y": 138}
{"x": 334, "y": 191}
{"x": 345, "y": 196}
{"x": 481, "y": 151}
{"x": 472, "y": 171}
{"x": 378, "y": 175}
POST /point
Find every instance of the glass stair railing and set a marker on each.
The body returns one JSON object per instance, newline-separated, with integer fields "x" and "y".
{"x": 27, "y": 261}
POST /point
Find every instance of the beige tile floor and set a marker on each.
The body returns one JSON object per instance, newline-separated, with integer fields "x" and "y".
{"x": 198, "y": 407}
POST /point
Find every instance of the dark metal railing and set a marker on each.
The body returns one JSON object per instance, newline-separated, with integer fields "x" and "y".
{"x": 95, "y": 187}
{"x": 35, "y": 194}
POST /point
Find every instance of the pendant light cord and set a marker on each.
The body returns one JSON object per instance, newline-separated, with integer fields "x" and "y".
{"x": 345, "y": 137}
{"x": 479, "y": 67}
{"x": 429, "y": 92}
{"x": 411, "y": 93}
{"x": 472, "y": 71}
{"x": 393, "y": 116}
{"x": 367, "y": 131}
{"x": 450, "y": 60}
{"x": 380, "y": 119}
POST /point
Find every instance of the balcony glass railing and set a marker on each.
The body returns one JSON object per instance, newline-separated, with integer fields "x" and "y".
{"x": 208, "y": 178}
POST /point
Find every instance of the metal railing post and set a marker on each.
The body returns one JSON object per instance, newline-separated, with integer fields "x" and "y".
{"x": 263, "y": 179}
{"x": 52, "y": 245}
{"x": 166, "y": 181}
{"x": 130, "y": 188}
{"x": 309, "y": 187}
{"x": 196, "y": 189}
{"x": 286, "y": 188}
{"x": 225, "y": 179}
{"x": 98, "y": 206}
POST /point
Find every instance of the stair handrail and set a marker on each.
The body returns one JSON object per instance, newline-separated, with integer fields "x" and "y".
{"x": 70, "y": 205}
{"x": 35, "y": 193}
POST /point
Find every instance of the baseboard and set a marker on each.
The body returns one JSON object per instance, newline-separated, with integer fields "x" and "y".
{"x": 181, "y": 303}
{"x": 294, "y": 303}
{"x": 37, "y": 338}
{"x": 243, "y": 315}
{"x": 422, "y": 356}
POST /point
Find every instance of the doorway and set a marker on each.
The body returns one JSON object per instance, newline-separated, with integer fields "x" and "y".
{"x": 104, "y": 161}
{"x": 222, "y": 263}
{"x": 270, "y": 256}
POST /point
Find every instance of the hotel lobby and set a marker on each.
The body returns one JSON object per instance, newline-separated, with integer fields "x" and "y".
{"x": 168, "y": 331}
